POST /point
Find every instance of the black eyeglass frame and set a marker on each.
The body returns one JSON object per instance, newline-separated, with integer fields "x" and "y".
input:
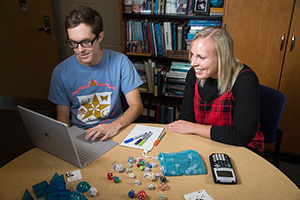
{"x": 80, "y": 43}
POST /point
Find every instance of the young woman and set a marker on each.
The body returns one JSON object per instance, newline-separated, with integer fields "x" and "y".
{"x": 221, "y": 99}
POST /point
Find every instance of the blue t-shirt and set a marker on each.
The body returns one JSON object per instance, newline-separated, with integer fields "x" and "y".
{"x": 93, "y": 93}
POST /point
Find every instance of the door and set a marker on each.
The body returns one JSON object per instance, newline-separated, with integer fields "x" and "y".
{"x": 257, "y": 28}
{"x": 289, "y": 85}
{"x": 28, "y": 53}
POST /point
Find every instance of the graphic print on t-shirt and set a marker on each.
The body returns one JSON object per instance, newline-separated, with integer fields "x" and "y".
{"x": 94, "y": 107}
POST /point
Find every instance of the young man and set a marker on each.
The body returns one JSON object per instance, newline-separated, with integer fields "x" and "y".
{"x": 88, "y": 84}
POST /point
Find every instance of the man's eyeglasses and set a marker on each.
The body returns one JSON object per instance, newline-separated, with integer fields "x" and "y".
{"x": 85, "y": 43}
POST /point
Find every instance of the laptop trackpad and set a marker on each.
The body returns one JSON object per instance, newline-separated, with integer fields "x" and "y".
{"x": 82, "y": 137}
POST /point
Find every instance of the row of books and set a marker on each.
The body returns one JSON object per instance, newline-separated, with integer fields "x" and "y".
{"x": 159, "y": 37}
{"x": 169, "y": 7}
{"x": 174, "y": 80}
{"x": 161, "y": 110}
{"x": 162, "y": 80}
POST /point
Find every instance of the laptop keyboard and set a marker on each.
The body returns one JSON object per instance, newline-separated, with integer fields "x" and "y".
{"x": 85, "y": 153}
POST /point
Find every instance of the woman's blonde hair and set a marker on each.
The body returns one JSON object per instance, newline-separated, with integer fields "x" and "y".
{"x": 228, "y": 65}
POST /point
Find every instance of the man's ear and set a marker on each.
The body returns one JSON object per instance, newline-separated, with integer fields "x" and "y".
{"x": 101, "y": 36}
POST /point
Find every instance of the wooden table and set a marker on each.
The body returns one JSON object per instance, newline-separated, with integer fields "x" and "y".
{"x": 257, "y": 178}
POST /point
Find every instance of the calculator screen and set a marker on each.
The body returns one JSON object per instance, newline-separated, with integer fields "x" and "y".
{"x": 224, "y": 174}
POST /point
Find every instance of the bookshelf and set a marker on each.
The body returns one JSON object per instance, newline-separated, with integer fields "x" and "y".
{"x": 161, "y": 107}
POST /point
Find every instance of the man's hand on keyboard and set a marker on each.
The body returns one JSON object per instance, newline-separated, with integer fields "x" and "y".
{"x": 105, "y": 130}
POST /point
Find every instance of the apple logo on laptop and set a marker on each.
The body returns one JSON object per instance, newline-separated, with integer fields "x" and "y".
{"x": 47, "y": 136}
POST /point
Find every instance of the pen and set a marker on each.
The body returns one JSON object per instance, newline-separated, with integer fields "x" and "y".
{"x": 145, "y": 139}
{"x": 159, "y": 138}
{"x": 133, "y": 138}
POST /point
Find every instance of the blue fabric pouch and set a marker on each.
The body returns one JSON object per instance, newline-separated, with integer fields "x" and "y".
{"x": 186, "y": 162}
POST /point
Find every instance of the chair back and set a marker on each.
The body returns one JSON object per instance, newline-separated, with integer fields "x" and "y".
{"x": 272, "y": 103}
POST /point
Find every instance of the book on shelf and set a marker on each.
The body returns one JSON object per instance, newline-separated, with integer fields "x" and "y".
{"x": 152, "y": 109}
{"x": 149, "y": 68}
{"x": 167, "y": 35}
{"x": 216, "y": 11}
{"x": 158, "y": 79}
{"x": 158, "y": 38}
{"x": 182, "y": 6}
{"x": 140, "y": 68}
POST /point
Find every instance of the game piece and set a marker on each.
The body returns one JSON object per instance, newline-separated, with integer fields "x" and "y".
{"x": 129, "y": 164}
{"x": 153, "y": 165}
{"x": 131, "y": 160}
{"x": 119, "y": 168}
{"x": 141, "y": 195}
{"x": 151, "y": 176}
{"x": 138, "y": 165}
{"x": 163, "y": 179}
{"x": 163, "y": 186}
{"x": 131, "y": 175}
{"x": 83, "y": 187}
{"x": 137, "y": 182}
{"x": 127, "y": 170}
{"x": 162, "y": 197}
{"x": 142, "y": 163}
{"x": 110, "y": 176}
{"x": 148, "y": 165}
{"x": 60, "y": 194}
{"x": 27, "y": 196}
{"x": 139, "y": 159}
{"x": 141, "y": 168}
{"x": 38, "y": 189}
{"x": 92, "y": 192}
{"x": 146, "y": 174}
{"x": 59, "y": 182}
{"x": 147, "y": 169}
{"x": 75, "y": 195}
{"x": 48, "y": 192}
{"x": 157, "y": 175}
{"x": 131, "y": 194}
{"x": 116, "y": 179}
{"x": 150, "y": 187}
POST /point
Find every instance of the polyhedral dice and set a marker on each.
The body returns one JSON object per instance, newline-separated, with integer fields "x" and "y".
{"x": 127, "y": 170}
{"x": 153, "y": 165}
{"x": 162, "y": 197}
{"x": 92, "y": 192}
{"x": 141, "y": 195}
{"x": 150, "y": 187}
{"x": 119, "y": 168}
{"x": 131, "y": 160}
{"x": 147, "y": 169}
{"x": 131, "y": 175}
{"x": 163, "y": 179}
{"x": 131, "y": 194}
{"x": 151, "y": 176}
{"x": 129, "y": 164}
{"x": 148, "y": 165}
{"x": 116, "y": 179}
{"x": 137, "y": 182}
{"x": 163, "y": 186}
{"x": 110, "y": 176}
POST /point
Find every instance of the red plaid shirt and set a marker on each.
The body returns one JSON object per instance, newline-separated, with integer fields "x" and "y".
{"x": 219, "y": 112}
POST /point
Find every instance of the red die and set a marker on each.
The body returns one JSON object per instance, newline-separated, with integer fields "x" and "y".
{"x": 163, "y": 186}
{"x": 141, "y": 195}
{"x": 110, "y": 176}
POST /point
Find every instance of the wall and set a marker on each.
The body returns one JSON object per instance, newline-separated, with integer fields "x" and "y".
{"x": 108, "y": 9}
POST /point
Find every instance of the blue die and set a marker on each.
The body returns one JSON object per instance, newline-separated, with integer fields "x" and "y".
{"x": 131, "y": 194}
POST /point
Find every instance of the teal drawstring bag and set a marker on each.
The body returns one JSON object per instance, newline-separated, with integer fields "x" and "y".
{"x": 186, "y": 162}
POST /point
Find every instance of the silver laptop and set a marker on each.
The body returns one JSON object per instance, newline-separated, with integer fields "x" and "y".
{"x": 58, "y": 139}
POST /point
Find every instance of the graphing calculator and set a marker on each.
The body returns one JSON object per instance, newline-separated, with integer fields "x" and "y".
{"x": 222, "y": 169}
